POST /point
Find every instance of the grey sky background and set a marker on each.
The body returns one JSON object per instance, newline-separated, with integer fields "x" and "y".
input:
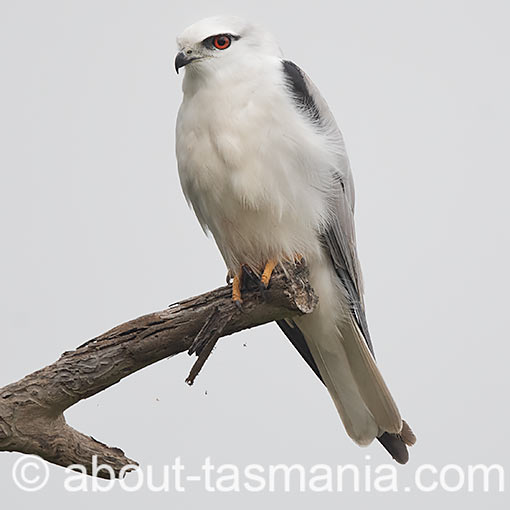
{"x": 95, "y": 231}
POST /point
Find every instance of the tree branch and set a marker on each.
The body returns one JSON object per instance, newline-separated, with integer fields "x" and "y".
{"x": 31, "y": 409}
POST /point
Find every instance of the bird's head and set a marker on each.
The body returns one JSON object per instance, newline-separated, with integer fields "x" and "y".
{"x": 220, "y": 43}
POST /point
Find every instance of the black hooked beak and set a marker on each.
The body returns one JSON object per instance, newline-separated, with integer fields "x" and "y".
{"x": 182, "y": 60}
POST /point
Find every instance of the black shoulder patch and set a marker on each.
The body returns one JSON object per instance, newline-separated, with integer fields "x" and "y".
{"x": 299, "y": 89}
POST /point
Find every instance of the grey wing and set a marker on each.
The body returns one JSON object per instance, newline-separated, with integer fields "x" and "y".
{"x": 339, "y": 237}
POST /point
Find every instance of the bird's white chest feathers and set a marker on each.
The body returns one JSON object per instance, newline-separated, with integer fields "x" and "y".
{"x": 254, "y": 169}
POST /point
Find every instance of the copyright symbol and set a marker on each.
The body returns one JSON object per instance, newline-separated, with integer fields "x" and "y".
{"x": 30, "y": 473}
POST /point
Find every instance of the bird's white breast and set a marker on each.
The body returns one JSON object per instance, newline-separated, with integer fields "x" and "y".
{"x": 254, "y": 169}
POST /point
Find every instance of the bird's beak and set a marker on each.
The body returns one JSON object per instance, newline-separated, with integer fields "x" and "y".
{"x": 182, "y": 60}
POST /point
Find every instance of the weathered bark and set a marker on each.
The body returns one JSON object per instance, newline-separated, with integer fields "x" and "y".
{"x": 31, "y": 410}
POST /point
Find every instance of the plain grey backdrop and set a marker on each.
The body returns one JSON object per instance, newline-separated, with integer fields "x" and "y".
{"x": 95, "y": 231}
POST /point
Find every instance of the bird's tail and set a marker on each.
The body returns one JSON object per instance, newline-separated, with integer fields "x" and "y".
{"x": 396, "y": 434}
{"x": 347, "y": 368}
{"x": 336, "y": 350}
{"x": 373, "y": 390}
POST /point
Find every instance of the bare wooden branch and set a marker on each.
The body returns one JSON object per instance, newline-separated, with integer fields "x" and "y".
{"x": 31, "y": 410}
{"x": 206, "y": 340}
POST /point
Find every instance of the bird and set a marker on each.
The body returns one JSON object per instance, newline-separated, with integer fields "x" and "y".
{"x": 263, "y": 165}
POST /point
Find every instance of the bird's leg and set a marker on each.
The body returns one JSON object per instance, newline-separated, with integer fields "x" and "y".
{"x": 237, "y": 278}
{"x": 269, "y": 268}
{"x": 268, "y": 271}
{"x": 237, "y": 283}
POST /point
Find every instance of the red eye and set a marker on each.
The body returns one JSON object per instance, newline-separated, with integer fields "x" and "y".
{"x": 222, "y": 42}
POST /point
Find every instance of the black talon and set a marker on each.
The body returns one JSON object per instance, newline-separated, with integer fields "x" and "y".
{"x": 263, "y": 291}
{"x": 262, "y": 286}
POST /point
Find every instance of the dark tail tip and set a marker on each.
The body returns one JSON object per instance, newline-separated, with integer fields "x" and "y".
{"x": 396, "y": 444}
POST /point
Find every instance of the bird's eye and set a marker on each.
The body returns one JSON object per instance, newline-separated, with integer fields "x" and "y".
{"x": 222, "y": 42}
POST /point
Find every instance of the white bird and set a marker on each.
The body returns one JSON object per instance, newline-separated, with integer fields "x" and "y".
{"x": 263, "y": 164}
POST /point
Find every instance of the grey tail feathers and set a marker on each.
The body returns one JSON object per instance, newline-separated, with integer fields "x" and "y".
{"x": 395, "y": 444}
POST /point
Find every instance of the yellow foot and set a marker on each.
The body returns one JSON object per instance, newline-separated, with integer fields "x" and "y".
{"x": 237, "y": 278}
{"x": 236, "y": 288}
{"x": 268, "y": 271}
